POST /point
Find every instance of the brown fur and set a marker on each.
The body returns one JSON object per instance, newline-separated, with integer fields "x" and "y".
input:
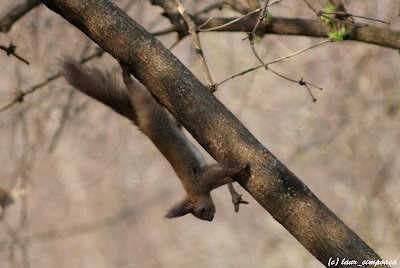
{"x": 136, "y": 103}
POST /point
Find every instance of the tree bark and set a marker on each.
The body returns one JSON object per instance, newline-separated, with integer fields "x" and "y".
{"x": 274, "y": 187}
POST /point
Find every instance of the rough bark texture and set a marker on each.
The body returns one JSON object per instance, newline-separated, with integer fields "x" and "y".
{"x": 273, "y": 186}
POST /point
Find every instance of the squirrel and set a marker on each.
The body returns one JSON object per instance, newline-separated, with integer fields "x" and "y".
{"x": 135, "y": 102}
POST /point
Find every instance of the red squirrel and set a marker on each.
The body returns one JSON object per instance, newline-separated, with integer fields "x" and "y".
{"x": 136, "y": 103}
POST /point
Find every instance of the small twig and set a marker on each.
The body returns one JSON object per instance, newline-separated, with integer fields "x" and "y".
{"x": 349, "y": 15}
{"x": 10, "y": 50}
{"x": 301, "y": 82}
{"x": 193, "y": 30}
{"x": 321, "y": 14}
{"x": 204, "y": 24}
{"x": 274, "y": 61}
{"x": 233, "y": 21}
{"x": 229, "y": 23}
{"x": 200, "y": 28}
{"x": 19, "y": 95}
{"x": 260, "y": 19}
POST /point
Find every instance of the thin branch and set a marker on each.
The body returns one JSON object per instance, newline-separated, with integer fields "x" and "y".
{"x": 274, "y": 61}
{"x": 193, "y": 30}
{"x": 233, "y": 21}
{"x": 340, "y": 7}
{"x": 204, "y": 24}
{"x": 261, "y": 17}
{"x": 11, "y": 51}
{"x": 355, "y": 16}
{"x": 227, "y": 24}
{"x": 321, "y": 14}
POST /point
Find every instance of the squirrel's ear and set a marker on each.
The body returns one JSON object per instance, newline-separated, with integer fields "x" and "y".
{"x": 182, "y": 208}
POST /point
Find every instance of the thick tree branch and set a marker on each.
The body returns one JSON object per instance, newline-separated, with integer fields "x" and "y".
{"x": 382, "y": 36}
{"x": 277, "y": 189}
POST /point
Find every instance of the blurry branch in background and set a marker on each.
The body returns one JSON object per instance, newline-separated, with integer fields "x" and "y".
{"x": 10, "y": 50}
{"x": 19, "y": 94}
{"x": 16, "y": 13}
{"x": 73, "y": 230}
{"x": 66, "y": 111}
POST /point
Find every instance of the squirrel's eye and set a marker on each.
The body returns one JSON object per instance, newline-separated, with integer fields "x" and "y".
{"x": 202, "y": 209}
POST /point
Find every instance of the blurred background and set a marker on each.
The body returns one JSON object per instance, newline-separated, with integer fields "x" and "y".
{"x": 97, "y": 189}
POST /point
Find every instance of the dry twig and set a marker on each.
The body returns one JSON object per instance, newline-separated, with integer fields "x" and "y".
{"x": 11, "y": 51}
{"x": 193, "y": 30}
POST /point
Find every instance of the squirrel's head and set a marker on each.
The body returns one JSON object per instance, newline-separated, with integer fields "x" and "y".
{"x": 201, "y": 207}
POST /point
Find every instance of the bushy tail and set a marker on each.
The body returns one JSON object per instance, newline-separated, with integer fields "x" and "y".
{"x": 100, "y": 85}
